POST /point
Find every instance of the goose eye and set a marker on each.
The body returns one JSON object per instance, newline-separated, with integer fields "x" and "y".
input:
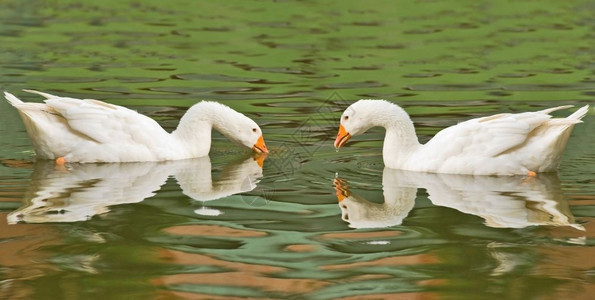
{"x": 254, "y": 129}
{"x": 346, "y": 118}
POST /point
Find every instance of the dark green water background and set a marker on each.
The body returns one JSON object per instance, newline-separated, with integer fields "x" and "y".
{"x": 147, "y": 232}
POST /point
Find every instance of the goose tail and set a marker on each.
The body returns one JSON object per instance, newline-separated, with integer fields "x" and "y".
{"x": 45, "y": 95}
{"x": 12, "y": 99}
{"x": 579, "y": 114}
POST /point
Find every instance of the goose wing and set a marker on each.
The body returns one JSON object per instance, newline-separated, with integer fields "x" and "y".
{"x": 105, "y": 123}
{"x": 488, "y": 136}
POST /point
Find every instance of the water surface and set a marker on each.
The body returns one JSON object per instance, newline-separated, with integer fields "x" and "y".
{"x": 221, "y": 227}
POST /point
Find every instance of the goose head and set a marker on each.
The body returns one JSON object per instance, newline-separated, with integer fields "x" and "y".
{"x": 244, "y": 131}
{"x": 355, "y": 120}
{"x": 196, "y": 124}
{"x": 365, "y": 114}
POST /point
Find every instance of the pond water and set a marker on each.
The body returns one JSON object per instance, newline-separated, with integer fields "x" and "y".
{"x": 222, "y": 227}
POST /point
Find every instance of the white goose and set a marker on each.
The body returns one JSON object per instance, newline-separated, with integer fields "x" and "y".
{"x": 75, "y": 130}
{"x": 505, "y": 144}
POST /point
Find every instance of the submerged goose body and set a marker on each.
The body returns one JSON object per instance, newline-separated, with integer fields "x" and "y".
{"x": 502, "y": 144}
{"x": 75, "y": 130}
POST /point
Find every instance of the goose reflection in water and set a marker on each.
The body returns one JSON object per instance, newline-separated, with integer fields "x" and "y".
{"x": 80, "y": 191}
{"x": 503, "y": 202}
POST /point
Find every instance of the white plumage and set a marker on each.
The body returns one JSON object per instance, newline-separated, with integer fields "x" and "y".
{"x": 94, "y": 131}
{"x": 503, "y": 144}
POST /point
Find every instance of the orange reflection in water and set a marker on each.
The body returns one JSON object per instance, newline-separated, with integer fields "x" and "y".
{"x": 264, "y": 277}
{"x": 573, "y": 265}
{"x": 22, "y": 257}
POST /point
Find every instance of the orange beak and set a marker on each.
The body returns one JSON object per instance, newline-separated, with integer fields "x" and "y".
{"x": 260, "y": 146}
{"x": 259, "y": 158}
{"x": 342, "y": 137}
{"x": 341, "y": 189}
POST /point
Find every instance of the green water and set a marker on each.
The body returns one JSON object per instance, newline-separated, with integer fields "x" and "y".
{"x": 222, "y": 228}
